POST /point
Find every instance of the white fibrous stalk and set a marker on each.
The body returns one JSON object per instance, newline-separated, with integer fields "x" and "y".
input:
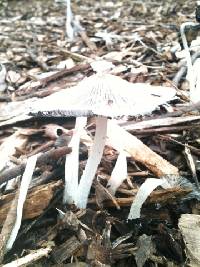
{"x": 195, "y": 97}
{"x": 119, "y": 173}
{"x": 92, "y": 163}
{"x": 3, "y": 73}
{"x": 26, "y": 179}
{"x": 144, "y": 191}
{"x": 69, "y": 18}
{"x": 190, "y": 72}
{"x": 72, "y": 163}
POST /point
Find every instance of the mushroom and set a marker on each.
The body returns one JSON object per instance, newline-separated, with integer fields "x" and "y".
{"x": 103, "y": 96}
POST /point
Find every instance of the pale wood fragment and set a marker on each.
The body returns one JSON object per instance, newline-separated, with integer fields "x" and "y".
{"x": 158, "y": 122}
{"x": 30, "y": 258}
{"x": 189, "y": 224}
{"x": 9, "y": 146}
{"x": 118, "y": 137}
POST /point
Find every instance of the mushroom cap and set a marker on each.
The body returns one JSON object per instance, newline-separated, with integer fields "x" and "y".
{"x": 104, "y": 95}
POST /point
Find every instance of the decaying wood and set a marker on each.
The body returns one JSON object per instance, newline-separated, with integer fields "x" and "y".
{"x": 191, "y": 165}
{"x": 87, "y": 41}
{"x": 10, "y": 218}
{"x": 39, "y": 198}
{"x": 39, "y": 62}
{"x": 8, "y": 148}
{"x": 102, "y": 193}
{"x": 67, "y": 220}
{"x": 164, "y": 130}
{"x": 17, "y": 111}
{"x": 159, "y": 196}
{"x": 99, "y": 252}
{"x": 66, "y": 250}
{"x": 37, "y": 201}
{"x": 45, "y": 158}
{"x": 145, "y": 249}
{"x": 162, "y": 260}
{"x": 159, "y": 122}
{"x": 58, "y": 75}
{"x": 73, "y": 264}
{"x": 189, "y": 224}
{"x": 117, "y": 136}
{"x": 30, "y": 258}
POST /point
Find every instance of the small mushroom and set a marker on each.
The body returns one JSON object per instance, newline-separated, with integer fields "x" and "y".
{"x": 103, "y": 96}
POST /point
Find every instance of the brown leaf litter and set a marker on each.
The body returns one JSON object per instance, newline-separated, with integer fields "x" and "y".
{"x": 141, "y": 39}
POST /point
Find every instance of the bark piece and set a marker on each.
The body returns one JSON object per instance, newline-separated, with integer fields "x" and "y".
{"x": 8, "y": 225}
{"x": 145, "y": 249}
{"x": 161, "y": 196}
{"x": 158, "y": 122}
{"x": 189, "y": 224}
{"x": 87, "y": 41}
{"x": 9, "y": 145}
{"x": 55, "y": 76}
{"x": 66, "y": 250}
{"x": 37, "y": 200}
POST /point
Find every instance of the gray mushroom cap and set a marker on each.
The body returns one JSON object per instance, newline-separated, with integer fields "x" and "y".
{"x": 104, "y": 95}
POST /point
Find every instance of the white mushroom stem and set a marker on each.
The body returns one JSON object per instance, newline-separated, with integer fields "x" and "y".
{"x": 69, "y": 18}
{"x": 145, "y": 190}
{"x": 26, "y": 179}
{"x": 92, "y": 163}
{"x": 119, "y": 173}
{"x": 191, "y": 77}
{"x": 72, "y": 163}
